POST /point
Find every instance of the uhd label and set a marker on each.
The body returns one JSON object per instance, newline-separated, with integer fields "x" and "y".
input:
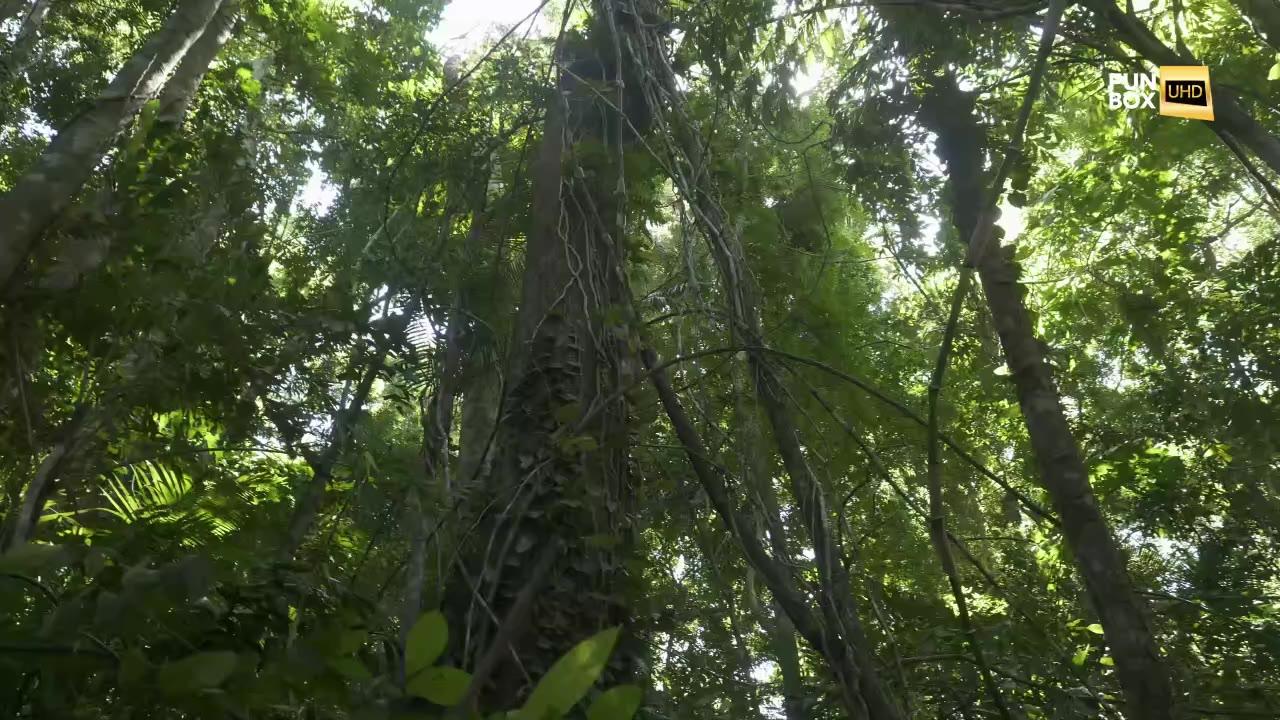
{"x": 1185, "y": 92}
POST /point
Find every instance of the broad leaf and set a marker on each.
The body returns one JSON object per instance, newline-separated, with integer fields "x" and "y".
{"x": 441, "y": 685}
{"x": 618, "y": 703}
{"x": 426, "y": 641}
{"x": 350, "y": 668}
{"x": 570, "y": 677}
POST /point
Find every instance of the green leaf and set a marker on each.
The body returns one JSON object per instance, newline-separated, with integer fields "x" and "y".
{"x": 441, "y": 685}
{"x": 248, "y": 83}
{"x": 1274, "y": 73}
{"x": 1080, "y": 656}
{"x": 426, "y": 642}
{"x": 196, "y": 672}
{"x": 1095, "y": 628}
{"x": 570, "y": 677}
{"x": 618, "y": 703}
{"x": 1106, "y": 660}
{"x": 350, "y": 668}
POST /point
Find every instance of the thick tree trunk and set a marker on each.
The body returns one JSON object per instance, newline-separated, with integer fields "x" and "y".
{"x": 181, "y": 89}
{"x": 559, "y": 475}
{"x": 480, "y": 404}
{"x": 66, "y": 165}
{"x": 1143, "y": 675}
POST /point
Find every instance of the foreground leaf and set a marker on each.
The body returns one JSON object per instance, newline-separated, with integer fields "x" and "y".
{"x": 618, "y": 703}
{"x": 570, "y": 677}
{"x": 426, "y": 641}
{"x": 441, "y": 685}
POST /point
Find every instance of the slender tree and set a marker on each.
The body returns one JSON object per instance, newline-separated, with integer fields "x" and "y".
{"x": 1063, "y": 473}
{"x": 65, "y": 166}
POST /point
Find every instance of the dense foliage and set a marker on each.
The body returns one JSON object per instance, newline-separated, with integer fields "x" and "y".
{"x": 681, "y": 359}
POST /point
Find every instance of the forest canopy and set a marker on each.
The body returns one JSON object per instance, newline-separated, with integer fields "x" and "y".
{"x": 660, "y": 359}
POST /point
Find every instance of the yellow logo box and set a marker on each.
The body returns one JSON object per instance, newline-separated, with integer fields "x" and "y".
{"x": 1185, "y": 92}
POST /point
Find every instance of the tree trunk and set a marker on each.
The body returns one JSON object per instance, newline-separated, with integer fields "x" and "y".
{"x": 948, "y": 112}
{"x": 817, "y": 630}
{"x": 865, "y": 695}
{"x": 181, "y": 89}
{"x": 780, "y": 631}
{"x": 782, "y": 640}
{"x": 66, "y": 165}
{"x": 480, "y": 401}
{"x": 560, "y": 472}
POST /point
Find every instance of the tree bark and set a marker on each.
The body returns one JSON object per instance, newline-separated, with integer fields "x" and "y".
{"x": 820, "y": 635}
{"x": 779, "y": 629}
{"x": 66, "y": 165}
{"x": 181, "y": 89}
{"x": 782, "y": 640}
{"x": 22, "y": 523}
{"x": 480, "y": 405}
{"x": 560, "y": 467}
{"x": 1143, "y": 675}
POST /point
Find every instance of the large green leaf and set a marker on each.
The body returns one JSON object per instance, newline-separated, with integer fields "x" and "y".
{"x": 570, "y": 677}
{"x": 426, "y": 641}
{"x": 617, "y": 703}
{"x": 441, "y": 685}
{"x": 350, "y": 668}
